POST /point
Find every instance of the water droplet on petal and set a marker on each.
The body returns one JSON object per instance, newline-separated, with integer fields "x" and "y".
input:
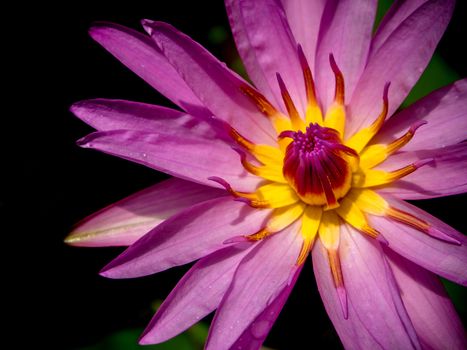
{"x": 260, "y": 329}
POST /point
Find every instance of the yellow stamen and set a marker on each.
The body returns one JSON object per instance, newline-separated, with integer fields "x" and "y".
{"x": 329, "y": 230}
{"x": 372, "y": 177}
{"x": 279, "y": 121}
{"x": 335, "y": 115}
{"x": 407, "y": 219}
{"x": 263, "y": 153}
{"x": 297, "y": 122}
{"x": 336, "y": 271}
{"x": 261, "y": 102}
{"x": 310, "y": 223}
{"x": 313, "y": 111}
{"x": 368, "y": 201}
{"x": 283, "y": 217}
{"x": 360, "y": 139}
{"x": 279, "y": 220}
{"x": 376, "y": 154}
{"x": 351, "y": 213}
{"x": 272, "y": 172}
{"x": 339, "y": 91}
{"x": 261, "y": 234}
{"x": 338, "y": 278}
{"x": 274, "y": 195}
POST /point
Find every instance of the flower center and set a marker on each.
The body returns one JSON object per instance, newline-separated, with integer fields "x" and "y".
{"x": 317, "y": 165}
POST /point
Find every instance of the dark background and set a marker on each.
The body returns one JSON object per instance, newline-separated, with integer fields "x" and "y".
{"x": 62, "y": 300}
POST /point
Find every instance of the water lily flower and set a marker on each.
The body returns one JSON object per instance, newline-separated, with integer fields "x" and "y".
{"x": 313, "y": 157}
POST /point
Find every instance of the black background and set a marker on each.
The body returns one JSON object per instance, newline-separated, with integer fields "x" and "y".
{"x": 52, "y": 183}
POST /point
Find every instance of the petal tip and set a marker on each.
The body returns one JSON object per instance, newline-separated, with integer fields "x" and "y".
{"x": 342, "y": 294}
{"x": 432, "y": 231}
{"x": 236, "y": 239}
{"x": 84, "y": 142}
{"x": 71, "y": 239}
{"x": 148, "y": 25}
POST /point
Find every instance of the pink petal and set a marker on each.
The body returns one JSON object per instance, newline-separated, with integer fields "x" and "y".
{"x": 214, "y": 84}
{"x": 139, "y": 53}
{"x": 124, "y": 222}
{"x": 352, "y": 332}
{"x": 304, "y": 19}
{"x": 444, "y": 175}
{"x": 254, "y": 336}
{"x": 445, "y": 259}
{"x": 372, "y": 292}
{"x": 445, "y": 110}
{"x": 106, "y": 115}
{"x": 197, "y": 294}
{"x": 429, "y": 307}
{"x": 189, "y": 235}
{"x": 346, "y": 33}
{"x": 270, "y": 46}
{"x": 247, "y": 54}
{"x": 187, "y": 156}
{"x": 400, "y": 60}
{"x": 397, "y": 13}
{"x": 260, "y": 278}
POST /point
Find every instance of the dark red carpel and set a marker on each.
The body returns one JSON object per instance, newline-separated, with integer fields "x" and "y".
{"x": 316, "y": 165}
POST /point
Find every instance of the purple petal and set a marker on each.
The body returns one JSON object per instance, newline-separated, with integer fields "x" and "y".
{"x": 197, "y": 294}
{"x": 189, "y": 235}
{"x": 270, "y": 46}
{"x": 248, "y": 56}
{"x": 400, "y": 60}
{"x": 106, "y": 115}
{"x": 304, "y": 18}
{"x": 254, "y": 336}
{"x": 260, "y": 278}
{"x": 139, "y": 53}
{"x": 125, "y": 221}
{"x": 437, "y": 324}
{"x": 373, "y": 293}
{"x": 217, "y": 86}
{"x": 444, "y": 175}
{"x": 346, "y": 33}
{"x": 445, "y": 259}
{"x": 398, "y": 12}
{"x": 187, "y": 156}
{"x": 352, "y": 332}
{"x": 445, "y": 110}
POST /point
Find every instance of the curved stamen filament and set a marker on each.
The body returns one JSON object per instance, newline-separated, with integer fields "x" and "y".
{"x": 264, "y": 106}
{"x": 360, "y": 139}
{"x": 339, "y": 90}
{"x": 351, "y": 213}
{"x": 263, "y": 153}
{"x": 279, "y": 121}
{"x": 404, "y": 139}
{"x": 419, "y": 224}
{"x": 378, "y": 153}
{"x": 307, "y": 77}
{"x": 271, "y": 195}
{"x": 272, "y": 172}
{"x": 335, "y": 115}
{"x": 313, "y": 111}
{"x": 372, "y": 177}
{"x": 336, "y": 271}
{"x": 297, "y": 122}
{"x": 310, "y": 222}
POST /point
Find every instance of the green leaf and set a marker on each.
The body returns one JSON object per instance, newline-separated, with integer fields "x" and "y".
{"x": 458, "y": 295}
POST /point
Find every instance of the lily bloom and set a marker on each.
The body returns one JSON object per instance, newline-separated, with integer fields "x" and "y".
{"x": 312, "y": 158}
